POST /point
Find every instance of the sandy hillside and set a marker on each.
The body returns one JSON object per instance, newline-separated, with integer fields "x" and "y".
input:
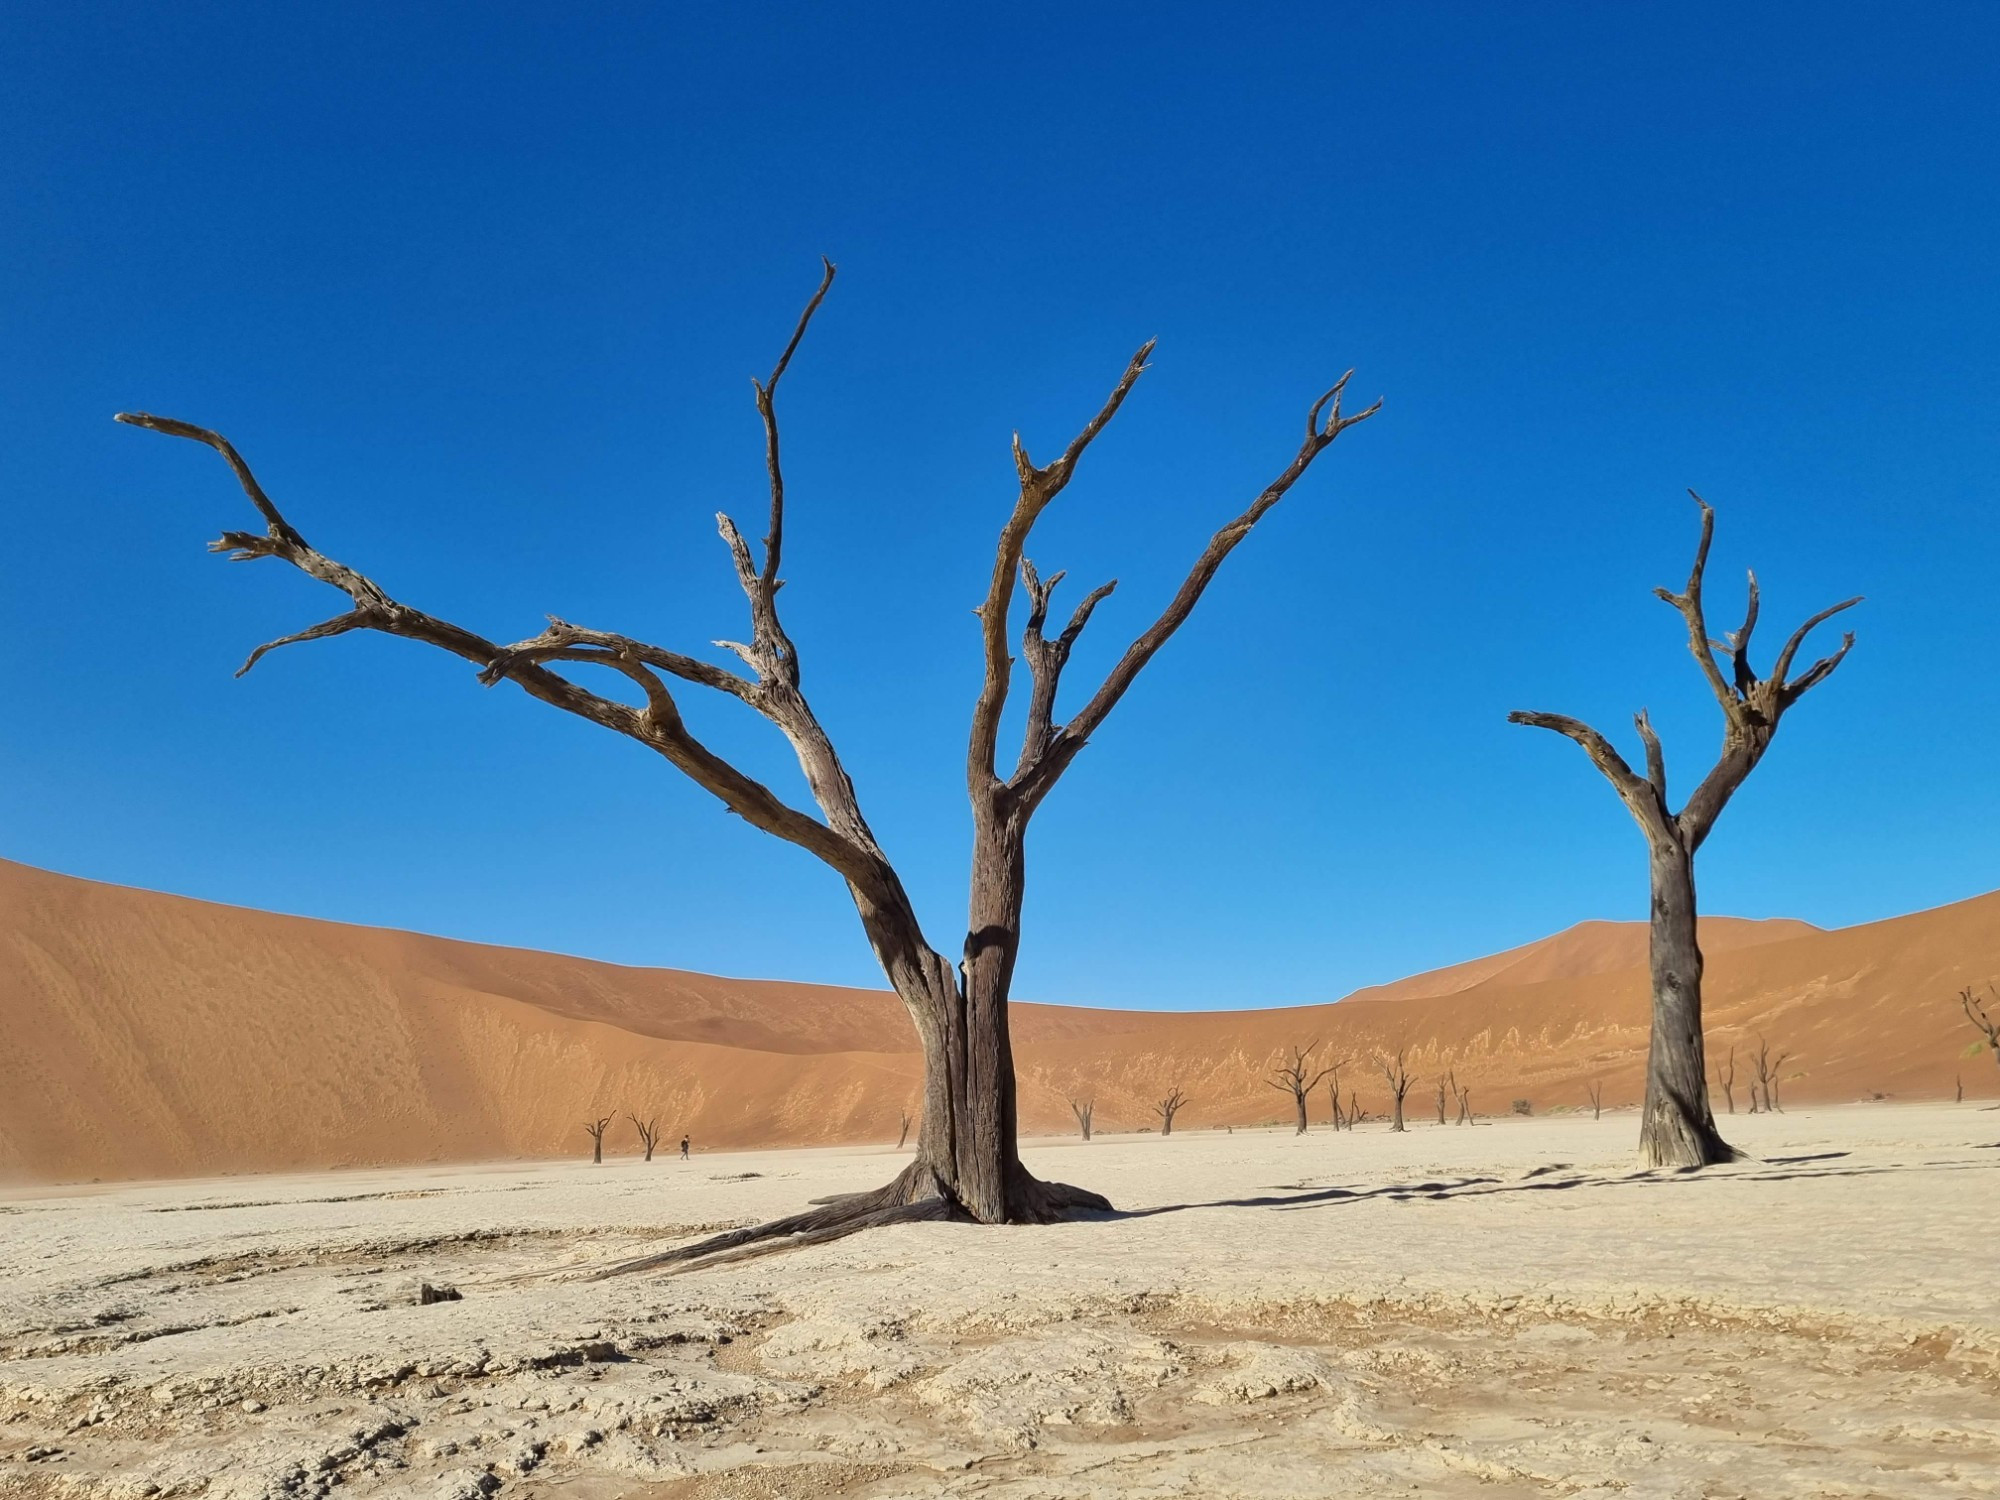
{"x": 152, "y": 1035}
{"x": 1489, "y": 1313}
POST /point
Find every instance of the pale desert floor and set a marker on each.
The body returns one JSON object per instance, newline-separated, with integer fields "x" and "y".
{"x": 1505, "y": 1310}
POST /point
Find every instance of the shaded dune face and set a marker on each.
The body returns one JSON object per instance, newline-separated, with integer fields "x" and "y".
{"x": 151, "y": 1035}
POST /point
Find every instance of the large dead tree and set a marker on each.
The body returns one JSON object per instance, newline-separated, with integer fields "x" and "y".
{"x": 967, "y": 1164}
{"x": 1168, "y": 1107}
{"x": 649, "y": 1133}
{"x": 1298, "y": 1079}
{"x": 1678, "y": 1129}
{"x": 1976, "y": 1013}
{"x": 1399, "y": 1085}
{"x": 595, "y": 1130}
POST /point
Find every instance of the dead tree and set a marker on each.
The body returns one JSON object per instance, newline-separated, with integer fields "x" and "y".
{"x": 1463, "y": 1095}
{"x": 1766, "y": 1082}
{"x": 1975, "y": 1012}
{"x": 595, "y": 1130}
{"x": 1678, "y": 1129}
{"x": 1440, "y": 1102}
{"x": 1399, "y": 1085}
{"x": 1083, "y": 1109}
{"x": 1958, "y": 1089}
{"x": 1297, "y": 1079}
{"x": 1725, "y": 1078}
{"x": 1596, "y": 1091}
{"x": 649, "y": 1133}
{"x": 1333, "y": 1099}
{"x": 968, "y": 1162}
{"x": 1355, "y": 1113}
{"x": 903, "y": 1134}
{"x": 1167, "y": 1108}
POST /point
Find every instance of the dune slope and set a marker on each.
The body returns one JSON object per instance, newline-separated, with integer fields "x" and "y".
{"x": 152, "y": 1035}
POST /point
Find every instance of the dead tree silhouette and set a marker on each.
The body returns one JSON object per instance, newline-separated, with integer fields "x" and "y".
{"x": 1462, "y": 1095}
{"x": 1678, "y": 1128}
{"x": 1766, "y": 1081}
{"x": 1596, "y": 1091}
{"x": 1399, "y": 1085}
{"x": 595, "y": 1130}
{"x": 1725, "y": 1077}
{"x": 1975, "y": 1012}
{"x": 1440, "y": 1101}
{"x": 968, "y": 1164}
{"x": 903, "y": 1134}
{"x": 1297, "y": 1079}
{"x": 1333, "y": 1100}
{"x": 1167, "y": 1108}
{"x": 649, "y": 1133}
{"x": 1083, "y": 1109}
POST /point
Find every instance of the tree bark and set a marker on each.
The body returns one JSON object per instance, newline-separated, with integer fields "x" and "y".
{"x": 1678, "y": 1129}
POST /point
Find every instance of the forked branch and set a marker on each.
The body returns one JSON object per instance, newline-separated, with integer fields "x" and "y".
{"x": 1751, "y": 708}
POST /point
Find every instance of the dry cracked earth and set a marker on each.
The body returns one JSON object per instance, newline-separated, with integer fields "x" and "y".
{"x": 1494, "y": 1311}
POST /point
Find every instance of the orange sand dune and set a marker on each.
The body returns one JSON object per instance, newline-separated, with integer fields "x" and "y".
{"x": 151, "y": 1035}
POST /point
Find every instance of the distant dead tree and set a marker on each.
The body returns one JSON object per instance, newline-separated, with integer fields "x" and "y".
{"x": 1678, "y": 1128}
{"x": 1596, "y": 1092}
{"x": 1167, "y": 1108}
{"x": 1399, "y": 1085}
{"x": 649, "y": 1133}
{"x": 1958, "y": 1089}
{"x": 903, "y": 1134}
{"x": 1355, "y": 1113}
{"x": 1083, "y": 1109}
{"x": 1297, "y": 1079}
{"x": 968, "y": 1165}
{"x": 595, "y": 1130}
{"x": 1440, "y": 1102}
{"x": 1333, "y": 1099}
{"x": 1463, "y": 1095}
{"x": 1765, "y": 1083}
{"x": 1975, "y": 1012}
{"x": 1725, "y": 1078}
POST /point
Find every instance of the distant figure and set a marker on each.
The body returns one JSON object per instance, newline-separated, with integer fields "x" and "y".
{"x": 684, "y": 1148}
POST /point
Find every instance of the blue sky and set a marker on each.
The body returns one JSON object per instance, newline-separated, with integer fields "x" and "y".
{"x": 479, "y": 291}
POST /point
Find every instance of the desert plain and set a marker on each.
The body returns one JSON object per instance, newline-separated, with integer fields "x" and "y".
{"x": 1502, "y": 1309}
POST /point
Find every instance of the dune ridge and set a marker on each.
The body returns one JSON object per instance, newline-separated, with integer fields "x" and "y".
{"x": 154, "y": 1035}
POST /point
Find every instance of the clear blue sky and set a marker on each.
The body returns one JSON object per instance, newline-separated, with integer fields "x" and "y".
{"x": 480, "y": 289}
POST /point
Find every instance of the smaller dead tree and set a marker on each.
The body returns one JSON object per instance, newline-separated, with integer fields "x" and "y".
{"x": 1725, "y": 1079}
{"x": 1167, "y": 1108}
{"x": 1442, "y": 1119}
{"x": 595, "y": 1130}
{"x": 1596, "y": 1091}
{"x": 1463, "y": 1095}
{"x": 1083, "y": 1109}
{"x": 1355, "y": 1113}
{"x": 1765, "y": 1084}
{"x": 1958, "y": 1089}
{"x": 1333, "y": 1099}
{"x": 1298, "y": 1079}
{"x": 649, "y": 1132}
{"x": 1976, "y": 1013}
{"x": 903, "y": 1134}
{"x": 1399, "y": 1085}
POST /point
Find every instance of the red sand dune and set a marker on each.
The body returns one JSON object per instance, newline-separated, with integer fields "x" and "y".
{"x": 151, "y": 1035}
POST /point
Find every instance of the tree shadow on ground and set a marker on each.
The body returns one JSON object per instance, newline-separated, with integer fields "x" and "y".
{"x": 1545, "y": 1179}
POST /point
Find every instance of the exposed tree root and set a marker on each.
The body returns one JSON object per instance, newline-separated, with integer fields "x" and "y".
{"x": 914, "y": 1195}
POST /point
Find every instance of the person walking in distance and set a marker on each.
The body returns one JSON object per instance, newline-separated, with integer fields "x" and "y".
{"x": 684, "y": 1148}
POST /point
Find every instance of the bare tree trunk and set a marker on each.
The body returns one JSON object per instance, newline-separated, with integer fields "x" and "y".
{"x": 1399, "y": 1085}
{"x": 1596, "y": 1100}
{"x": 903, "y": 1134}
{"x": 1440, "y": 1102}
{"x": 1677, "y": 1129}
{"x": 1167, "y": 1108}
{"x": 1083, "y": 1110}
{"x": 595, "y": 1130}
{"x": 1725, "y": 1078}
